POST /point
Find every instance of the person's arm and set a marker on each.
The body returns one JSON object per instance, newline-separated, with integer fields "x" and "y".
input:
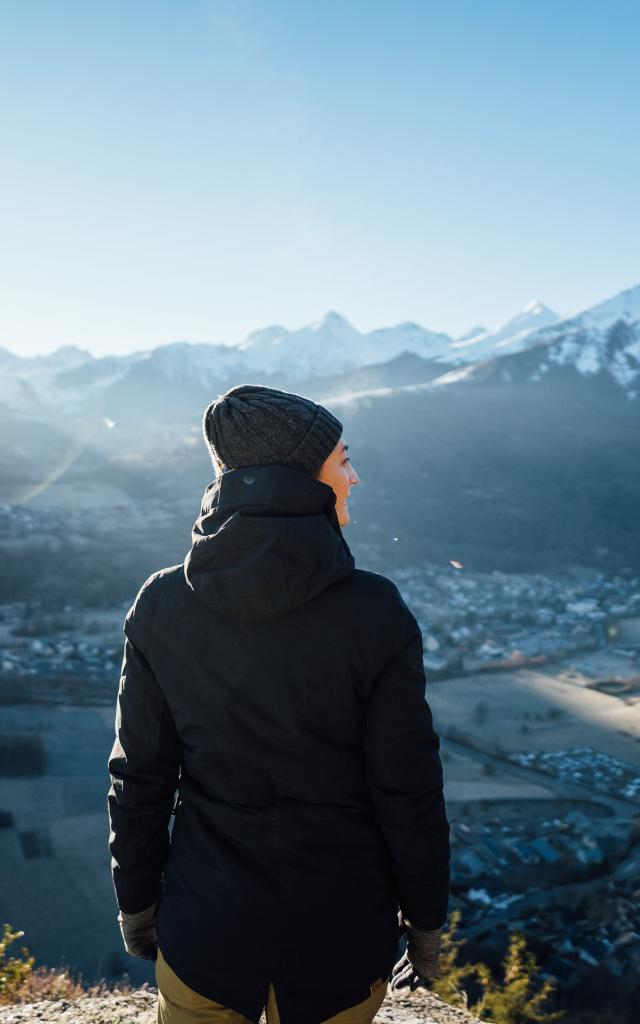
{"x": 144, "y": 767}
{"x": 404, "y": 773}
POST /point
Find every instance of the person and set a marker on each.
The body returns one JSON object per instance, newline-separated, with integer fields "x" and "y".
{"x": 279, "y": 691}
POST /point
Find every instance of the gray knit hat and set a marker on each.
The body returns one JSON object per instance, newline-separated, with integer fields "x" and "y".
{"x": 252, "y": 425}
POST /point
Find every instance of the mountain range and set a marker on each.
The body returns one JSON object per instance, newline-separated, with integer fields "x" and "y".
{"x": 506, "y": 447}
{"x": 73, "y": 379}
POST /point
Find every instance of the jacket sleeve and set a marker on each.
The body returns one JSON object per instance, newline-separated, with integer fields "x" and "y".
{"x": 144, "y": 766}
{"x": 404, "y": 774}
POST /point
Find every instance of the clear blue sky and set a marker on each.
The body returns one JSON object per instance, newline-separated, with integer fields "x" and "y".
{"x": 194, "y": 170}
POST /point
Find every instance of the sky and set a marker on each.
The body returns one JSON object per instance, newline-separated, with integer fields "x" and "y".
{"x": 195, "y": 170}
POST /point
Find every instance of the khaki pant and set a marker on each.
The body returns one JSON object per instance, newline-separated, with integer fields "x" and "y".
{"x": 179, "y": 1004}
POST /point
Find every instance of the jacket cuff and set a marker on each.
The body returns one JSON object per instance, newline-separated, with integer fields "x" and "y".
{"x": 141, "y": 917}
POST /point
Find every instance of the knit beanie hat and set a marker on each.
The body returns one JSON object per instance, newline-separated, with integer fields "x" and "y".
{"x": 252, "y": 425}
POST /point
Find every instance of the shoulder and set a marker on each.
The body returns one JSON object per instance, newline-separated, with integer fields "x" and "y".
{"x": 380, "y": 588}
{"x": 380, "y": 623}
{"x": 154, "y": 591}
{"x": 383, "y": 604}
{"x": 373, "y": 581}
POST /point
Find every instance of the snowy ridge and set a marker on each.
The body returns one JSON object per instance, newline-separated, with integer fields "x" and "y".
{"x": 478, "y": 329}
{"x": 623, "y": 306}
{"x": 322, "y": 347}
{"x": 603, "y": 338}
{"x": 511, "y": 336}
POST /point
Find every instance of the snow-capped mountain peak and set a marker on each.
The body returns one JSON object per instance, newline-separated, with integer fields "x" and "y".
{"x": 68, "y": 356}
{"x": 511, "y": 336}
{"x": 603, "y": 338}
{"x": 336, "y": 325}
{"x": 263, "y": 336}
{"x": 321, "y": 347}
{"x": 473, "y": 333}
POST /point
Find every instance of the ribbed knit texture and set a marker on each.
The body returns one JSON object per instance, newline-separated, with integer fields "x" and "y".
{"x": 254, "y": 425}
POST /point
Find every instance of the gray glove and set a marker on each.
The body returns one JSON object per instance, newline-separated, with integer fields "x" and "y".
{"x": 139, "y": 932}
{"x": 420, "y": 961}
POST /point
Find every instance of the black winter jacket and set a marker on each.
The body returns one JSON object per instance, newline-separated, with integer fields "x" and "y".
{"x": 280, "y": 692}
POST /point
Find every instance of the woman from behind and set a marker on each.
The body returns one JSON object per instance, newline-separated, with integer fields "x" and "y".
{"x": 281, "y": 691}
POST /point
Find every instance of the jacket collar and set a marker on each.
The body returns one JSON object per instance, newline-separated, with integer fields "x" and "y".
{"x": 266, "y": 541}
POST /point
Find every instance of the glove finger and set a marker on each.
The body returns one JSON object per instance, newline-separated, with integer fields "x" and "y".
{"x": 401, "y": 964}
{"x": 396, "y": 982}
{"x": 402, "y": 978}
{"x": 404, "y": 982}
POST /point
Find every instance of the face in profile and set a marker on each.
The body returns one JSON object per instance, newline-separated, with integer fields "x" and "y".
{"x": 339, "y": 474}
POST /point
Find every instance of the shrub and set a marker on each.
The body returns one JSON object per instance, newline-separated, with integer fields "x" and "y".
{"x": 20, "y": 982}
{"x": 515, "y": 1001}
{"x": 13, "y": 971}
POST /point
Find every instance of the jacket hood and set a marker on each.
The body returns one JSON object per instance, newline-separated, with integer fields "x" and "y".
{"x": 266, "y": 541}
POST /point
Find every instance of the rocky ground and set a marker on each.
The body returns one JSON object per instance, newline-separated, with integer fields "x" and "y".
{"x": 419, "y": 1007}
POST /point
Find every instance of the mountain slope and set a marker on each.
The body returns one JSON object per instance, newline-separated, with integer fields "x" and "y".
{"x": 600, "y": 346}
{"x": 73, "y": 379}
{"x": 511, "y": 336}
